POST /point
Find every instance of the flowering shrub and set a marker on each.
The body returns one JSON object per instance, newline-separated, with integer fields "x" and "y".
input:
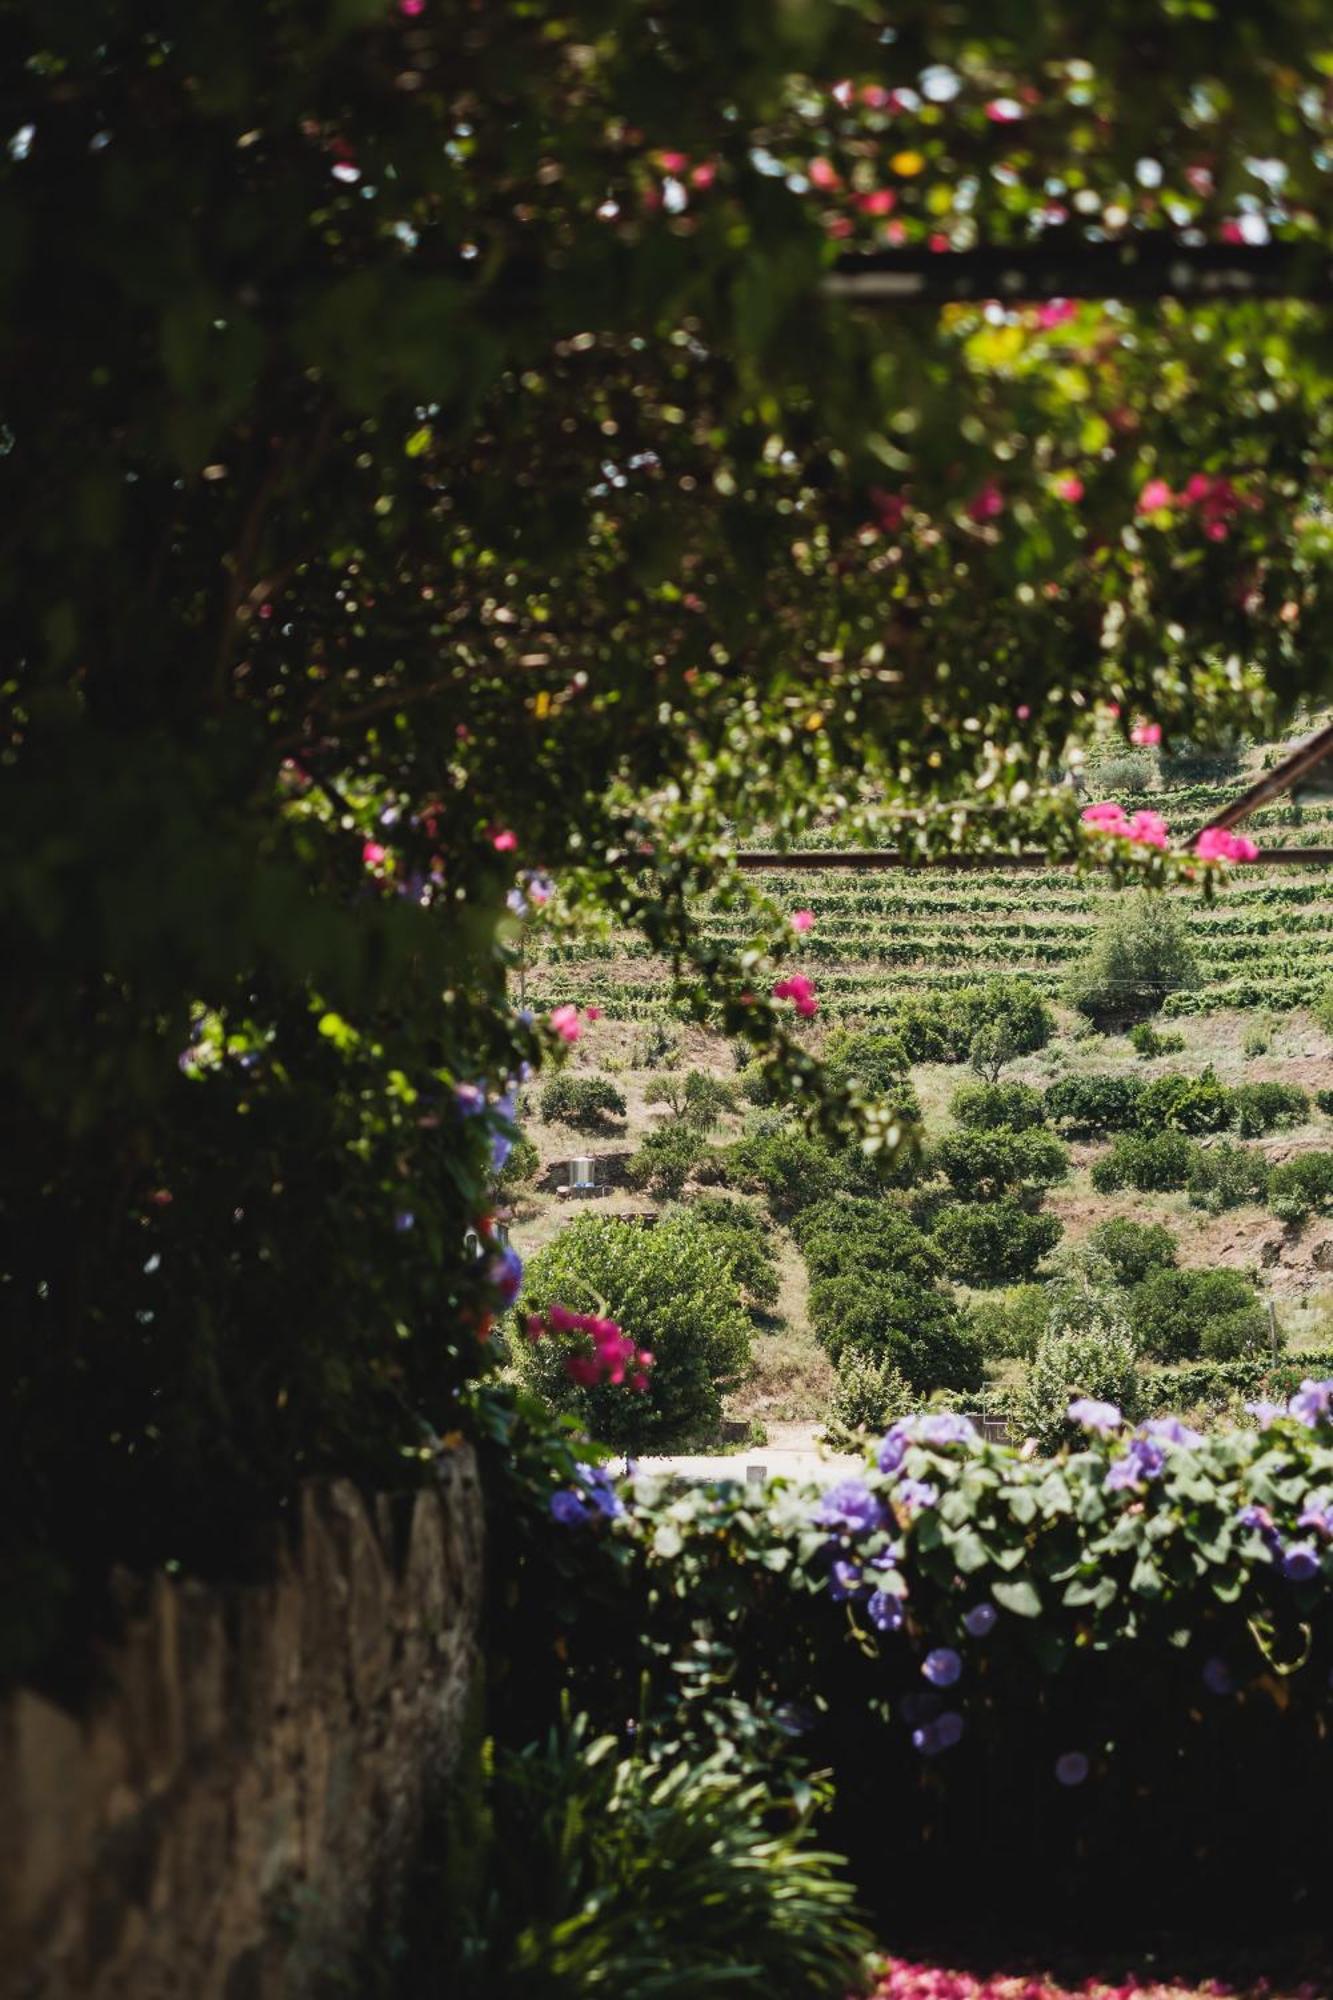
{"x": 905, "y": 1979}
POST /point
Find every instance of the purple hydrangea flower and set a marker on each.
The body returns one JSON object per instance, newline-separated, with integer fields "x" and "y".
{"x": 1170, "y": 1430}
{"x": 1071, "y": 1768}
{"x": 893, "y": 1450}
{"x": 942, "y": 1666}
{"x": 850, "y": 1505}
{"x": 932, "y": 1737}
{"x": 600, "y": 1492}
{"x": 1143, "y": 1460}
{"x": 470, "y": 1099}
{"x": 945, "y": 1427}
{"x": 980, "y": 1620}
{"x": 404, "y": 1220}
{"x": 1104, "y": 1418}
{"x": 1266, "y": 1413}
{"x": 516, "y": 903}
{"x": 568, "y": 1509}
{"x": 505, "y": 1273}
{"x": 1311, "y": 1403}
{"x": 1217, "y": 1677}
{"x": 848, "y": 1582}
{"x": 885, "y": 1611}
{"x": 917, "y": 1494}
{"x": 1259, "y": 1520}
{"x": 1317, "y": 1514}
{"x": 1300, "y": 1564}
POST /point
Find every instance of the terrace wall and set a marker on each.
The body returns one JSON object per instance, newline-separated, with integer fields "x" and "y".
{"x": 234, "y": 1811}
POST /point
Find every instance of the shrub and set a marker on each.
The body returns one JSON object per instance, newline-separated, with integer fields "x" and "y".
{"x": 986, "y": 1166}
{"x": 1148, "y": 1041}
{"x": 1302, "y": 1187}
{"x": 991, "y": 1049}
{"x": 1153, "y": 1166}
{"x": 667, "y": 1873}
{"x": 698, "y": 1099}
{"x": 993, "y": 1243}
{"x": 1170, "y": 1310}
{"x": 1225, "y": 1176}
{"x": 521, "y": 1167}
{"x": 673, "y": 1293}
{"x": 919, "y": 1328}
{"x": 988, "y": 1106}
{"x": 1098, "y": 1362}
{"x": 1126, "y": 776}
{"x": 1181, "y": 1103}
{"x": 1322, "y": 1009}
{"x": 1263, "y": 1107}
{"x": 658, "y": 1045}
{"x": 1091, "y": 1105}
{"x": 1324, "y": 1101}
{"x": 756, "y": 1085}
{"x": 840, "y": 1237}
{"x": 1132, "y": 1249}
{"x": 876, "y": 1062}
{"x": 939, "y": 1027}
{"x": 741, "y": 1236}
{"x": 666, "y": 1160}
{"x": 1258, "y": 1040}
{"x": 792, "y": 1170}
{"x": 869, "y": 1393}
{"x": 588, "y": 1102}
{"x": 1140, "y": 952}
{"x": 1010, "y": 1324}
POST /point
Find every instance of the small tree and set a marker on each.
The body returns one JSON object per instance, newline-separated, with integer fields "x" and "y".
{"x": 993, "y": 1243}
{"x": 586, "y": 1102}
{"x": 990, "y": 1049}
{"x": 1140, "y": 952}
{"x": 990, "y": 1107}
{"x": 665, "y": 1161}
{"x": 1098, "y": 1361}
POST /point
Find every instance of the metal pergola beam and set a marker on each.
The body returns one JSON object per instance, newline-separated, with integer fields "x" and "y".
{"x": 1283, "y": 777}
{"x": 1152, "y": 265}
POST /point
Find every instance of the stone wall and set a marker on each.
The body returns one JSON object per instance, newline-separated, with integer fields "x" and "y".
{"x": 234, "y": 1812}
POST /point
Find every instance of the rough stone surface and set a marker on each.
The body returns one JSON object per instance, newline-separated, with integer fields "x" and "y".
{"x": 237, "y": 1809}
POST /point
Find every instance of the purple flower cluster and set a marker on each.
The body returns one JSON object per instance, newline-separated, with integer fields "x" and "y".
{"x": 1104, "y": 1418}
{"x": 1311, "y": 1405}
{"x": 593, "y": 1496}
{"x": 850, "y": 1505}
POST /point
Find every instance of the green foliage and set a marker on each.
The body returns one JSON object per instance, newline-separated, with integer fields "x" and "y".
{"x": 941, "y": 1027}
{"x": 987, "y": 1106}
{"x": 1009, "y": 1324}
{"x": 1322, "y": 1008}
{"x": 744, "y": 1239}
{"x": 1257, "y": 1108}
{"x": 875, "y": 1287}
{"x": 1124, "y": 777}
{"x": 843, "y": 1235}
{"x": 987, "y": 1166}
{"x": 993, "y": 1243}
{"x": 1153, "y": 1166}
{"x": 1179, "y": 1315}
{"x": 1133, "y": 1249}
{"x": 521, "y": 1167}
{"x": 1181, "y": 1103}
{"x": 1225, "y": 1176}
{"x": 1140, "y": 952}
{"x": 876, "y": 1062}
{"x": 1148, "y": 1041}
{"x": 1088, "y": 1106}
{"x": 792, "y": 1170}
{"x": 664, "y": 1874}
{"x": 666, "y": 1159}
{"x": 588, "y": 1102}
{"x": 1098, "y": 1361}
{"x": 673, "y": 1291}
{"x": 991, "y": 1049}
{"x": 1302, "y": 1187}
{"x": 869, "y": 1392}
{"x": 658, "y": 1045}
{"x": 1324, "y": 1102}
{"x": 697, "y": 1098}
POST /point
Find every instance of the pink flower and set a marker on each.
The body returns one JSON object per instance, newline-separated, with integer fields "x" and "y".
{"x": 875, "y": 97}
{"x": 1023, "y": 712}
{"x": 881, "y": 201}
{"x": 890, "y": 507}
{"x": 703, "y": 176}
{"x": 801, "y": 991}
{"x": 986, "y": 503}
{"x": 565, "y": 1021}
{"x": 592, "y": 1013}
{"x": 1218, "y": 843}
{"x": 823, "y": 174}
{"x": 1146, "y": 734}
{"x": 505, "y": 842}
{"x": 1106, "y": 817}
{"x": 1231, "y": 232}
{"x": 802, "y": 920}
{"x": 1004, "y": 110}
{"x": 1071, "y": 489}
{"x": 842, "y": 93}
{"x": 1155, "y": 495}
{"x": 674, "y": 163}
{"x": 411, "y": 8}
{"x": 1149, "y": 830}
{"x": 373, "y": 854}
{"x": 1055, "y": 312}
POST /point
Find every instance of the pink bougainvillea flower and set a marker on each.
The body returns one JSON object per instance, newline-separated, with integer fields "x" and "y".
{"x": 703, "y": 175}
{"x": 1071, "y": 489}
{"x": 823, "y": 174}
{"x": 1146, "y": 734}
{"x": 1149, "y": 830}
{"x": 411, "y": 8}
{"x": 565, "y": 1021}
{"x": 875, "y": 97}
{"x": 673, "y": 163}
{"x": 1106, "y": 817}
{"x": 800, "y": 991}
{"x": 838, "y": 225}
{"x": 1218, "y": 843}
{"x": 1231, "y": 232}
{"x": 1004, "y": 110}
{"x": 592, "y": 1013}
{"x": 802, "y": 920}
{"x": 1055, "y": 312}
{"x": 986, "y": 503}
{"x": 373, "y": 854}
{"x": 1023, "y": 712}
{"x": 880, "y": 201}
{"x": 1155, "y": 495}
{"x": 504, "y": 842}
